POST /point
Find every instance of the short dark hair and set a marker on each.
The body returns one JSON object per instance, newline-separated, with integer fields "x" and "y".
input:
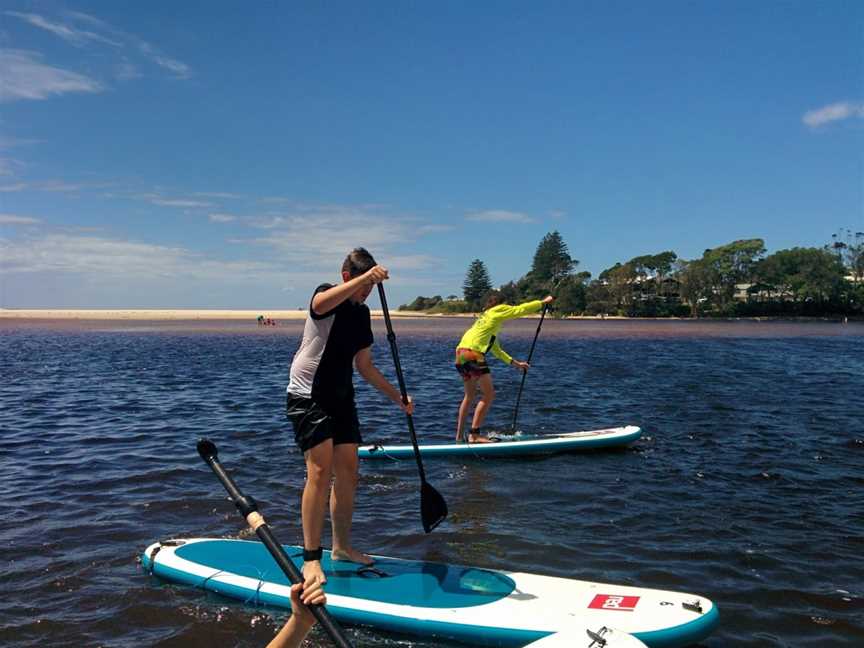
{"x": 357, "y": 262}
{"x": 493, "y": 298}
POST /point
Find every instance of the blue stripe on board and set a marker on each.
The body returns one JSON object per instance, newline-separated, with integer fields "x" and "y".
{"x": 684, "y": 634}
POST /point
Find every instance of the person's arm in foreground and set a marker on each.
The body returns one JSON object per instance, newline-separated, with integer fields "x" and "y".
{"x": 370, "y": 373}
{"x": 301, "y": 621}
{"x": 329, "y": 299}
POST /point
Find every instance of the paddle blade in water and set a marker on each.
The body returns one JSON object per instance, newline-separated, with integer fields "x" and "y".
{"x": 433, "y": 508}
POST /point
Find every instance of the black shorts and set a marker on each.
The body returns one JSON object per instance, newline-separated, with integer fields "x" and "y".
{"x": 313, "y": 425}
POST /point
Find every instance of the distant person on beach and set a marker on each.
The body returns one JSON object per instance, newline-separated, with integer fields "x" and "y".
{"x": 471, "y": 352}
{"x": 320, "y": 405}
{"x": 301, "y": 620}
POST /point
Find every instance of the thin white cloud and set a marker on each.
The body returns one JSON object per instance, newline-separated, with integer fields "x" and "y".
{"x": 52, "y": 186}
{"x": 8, "y": 166}
{"x": 23, "y": 75}
{"x": 274, "y": 200}
{"x": 221, "y": 218}
{"x": 833, "y": 112}
{"x": 216, "y": 194}
{"x": 13, "y": 219}
{"x": 410, "y": 262}
{"x": 80, "y": 16}
{"x": 180, "y": 202}
{"x": 434, "y": 228}
{"x": 8, "y": 142}
{"x": 180, "y": 69}
{"x": 499, "y": 216}
{"x": 58, "y": 186}
{"x": 100, "y": 257}
{"x": 321, "y": 236}
{"x": 100, "y": 32}
{"x": 126, "y": 71}
{"x": 72, "y": 35}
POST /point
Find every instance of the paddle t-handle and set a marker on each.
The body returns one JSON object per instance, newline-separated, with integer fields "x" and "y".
{"x": 248, "y": 507}
{"x": 433, "y": 508}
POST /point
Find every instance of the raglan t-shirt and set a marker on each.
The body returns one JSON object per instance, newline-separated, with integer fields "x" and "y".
{"x": 483, "y": 335}
{"x": 323, "y": 367}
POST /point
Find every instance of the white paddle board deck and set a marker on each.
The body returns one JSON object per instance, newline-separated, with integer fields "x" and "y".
{"x": 511, "y": 445}
{"x": 586, "y": 638}
{"x": 468, "y": 604}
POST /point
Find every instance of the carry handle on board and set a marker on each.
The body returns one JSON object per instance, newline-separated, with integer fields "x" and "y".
{"x": 433, "y": 508}
{"x": 249, "y": 509}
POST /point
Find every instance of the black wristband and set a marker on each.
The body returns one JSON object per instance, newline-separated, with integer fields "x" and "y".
{"x": 312, "y": 554}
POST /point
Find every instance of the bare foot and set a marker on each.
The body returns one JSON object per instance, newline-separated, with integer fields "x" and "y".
{"x": 352, "y": 555}
{"x": 312, "y": 571}
{"x": 477, "y": 438}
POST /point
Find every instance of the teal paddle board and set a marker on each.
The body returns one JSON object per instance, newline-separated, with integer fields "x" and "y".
{"x": 511, "y": 445}
{"x": 468, "y": 604}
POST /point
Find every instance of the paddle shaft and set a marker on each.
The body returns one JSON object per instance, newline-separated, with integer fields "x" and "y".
{"x": 525, "y": 373}
{"x": 391, "y": 338}
{"x": 249, "y": 509}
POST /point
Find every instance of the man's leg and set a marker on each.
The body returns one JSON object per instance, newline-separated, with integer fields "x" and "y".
{"x": 345, "y": 466}
{"x": 319, "y": 470}
{"x": 465, "y": 406}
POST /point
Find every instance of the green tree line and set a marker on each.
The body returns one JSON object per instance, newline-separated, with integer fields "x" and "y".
{"x": 735, "y": 279}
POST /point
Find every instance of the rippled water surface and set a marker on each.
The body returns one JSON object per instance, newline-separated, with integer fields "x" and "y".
{"x": 747, "y": 486}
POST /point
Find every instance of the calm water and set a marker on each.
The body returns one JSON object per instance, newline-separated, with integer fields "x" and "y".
{"x": 746, "y": 487}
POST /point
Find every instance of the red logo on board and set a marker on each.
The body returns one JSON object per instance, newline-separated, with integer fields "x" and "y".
{"x": 614, "y": 602}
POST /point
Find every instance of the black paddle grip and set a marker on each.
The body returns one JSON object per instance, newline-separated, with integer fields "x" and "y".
{"x": 209, "y": 453}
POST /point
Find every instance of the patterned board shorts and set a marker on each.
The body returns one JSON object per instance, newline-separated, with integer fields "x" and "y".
{"x": 470, "y": 364}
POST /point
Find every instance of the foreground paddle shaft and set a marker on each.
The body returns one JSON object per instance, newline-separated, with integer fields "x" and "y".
{"x": 525, "y": 373}
{"x": 433, "y": 508}
{"x": 249, "y": 508}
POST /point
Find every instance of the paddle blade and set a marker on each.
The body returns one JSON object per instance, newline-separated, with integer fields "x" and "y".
{"x": 207, "y": 449}
{"x": 433, "y": 508}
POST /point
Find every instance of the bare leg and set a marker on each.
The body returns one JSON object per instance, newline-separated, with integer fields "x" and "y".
{"x": 465, "y": 406}
{"x": 345, "y": 466}
{"x": 319, "y": 470}
{"x": 487, "y": 395}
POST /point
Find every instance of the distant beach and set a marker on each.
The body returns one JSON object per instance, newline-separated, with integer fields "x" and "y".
{"x": 145, "y": 314}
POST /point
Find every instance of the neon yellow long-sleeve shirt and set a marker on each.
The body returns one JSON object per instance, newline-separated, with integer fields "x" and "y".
{"x": 483, "y": 335}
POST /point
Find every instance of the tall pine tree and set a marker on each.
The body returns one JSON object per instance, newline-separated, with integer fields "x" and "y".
{"x": 552, "y": 263}
{"x": 477, "y": 283}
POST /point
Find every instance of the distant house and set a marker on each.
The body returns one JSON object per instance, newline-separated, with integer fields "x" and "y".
{"x": 646, "y": 288}
{"x": 761, "y": 292}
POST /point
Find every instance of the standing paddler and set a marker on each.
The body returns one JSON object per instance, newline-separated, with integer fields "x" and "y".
{"x": 337, "y": 337}
{"x": 471, "y": 352}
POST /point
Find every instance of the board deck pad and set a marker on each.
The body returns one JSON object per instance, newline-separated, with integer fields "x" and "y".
{"x": 512, "y": 445}
{"x": 469, "y": 604}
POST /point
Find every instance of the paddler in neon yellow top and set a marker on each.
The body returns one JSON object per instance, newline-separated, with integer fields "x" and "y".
{"x": 477, "y": 341}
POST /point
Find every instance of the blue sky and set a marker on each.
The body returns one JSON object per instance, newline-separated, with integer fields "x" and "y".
{"x": 228, "y": 155}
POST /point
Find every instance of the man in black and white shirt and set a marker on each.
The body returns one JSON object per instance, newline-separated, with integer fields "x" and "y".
{"x": 320, "y": 404}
